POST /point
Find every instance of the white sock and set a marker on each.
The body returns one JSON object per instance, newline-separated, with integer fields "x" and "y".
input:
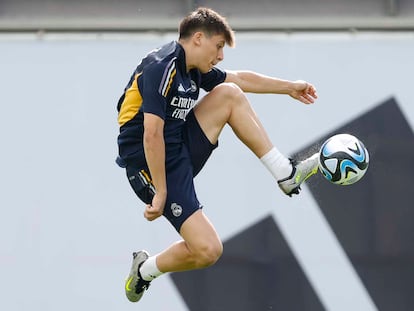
{"x": 277, "y": 164}
{"x": 149, "y": 269}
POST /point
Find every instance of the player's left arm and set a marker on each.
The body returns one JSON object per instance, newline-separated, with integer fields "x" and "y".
{"x": 252, "y": 82}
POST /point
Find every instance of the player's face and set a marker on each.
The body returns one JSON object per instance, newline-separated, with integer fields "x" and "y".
{"x": 212, "y": 52}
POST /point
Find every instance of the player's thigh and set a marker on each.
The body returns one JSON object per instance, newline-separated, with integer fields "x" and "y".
{"x": 200, "y": 235}
{"x": 214, "y": 109}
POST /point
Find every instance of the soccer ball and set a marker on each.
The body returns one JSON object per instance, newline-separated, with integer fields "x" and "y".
{"x": 343, "y": 159}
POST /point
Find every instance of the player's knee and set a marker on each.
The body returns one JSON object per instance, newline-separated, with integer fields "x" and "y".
{"x": 209, "y": 255}
{"x": 229, "y": 90}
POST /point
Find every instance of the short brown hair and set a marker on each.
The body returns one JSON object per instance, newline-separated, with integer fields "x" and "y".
{"x": 207, "y": 21}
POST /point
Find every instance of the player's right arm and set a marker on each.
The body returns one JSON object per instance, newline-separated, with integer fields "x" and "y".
{"x": 154, "y": 148}
{"x": 155, "y": 84}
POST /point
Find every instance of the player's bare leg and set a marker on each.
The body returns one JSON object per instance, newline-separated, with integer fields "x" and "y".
{"x": 227, "y": 104}
{"x": 200, "y": 248}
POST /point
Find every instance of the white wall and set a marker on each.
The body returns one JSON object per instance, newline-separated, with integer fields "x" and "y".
{"x": 68, "y": 219}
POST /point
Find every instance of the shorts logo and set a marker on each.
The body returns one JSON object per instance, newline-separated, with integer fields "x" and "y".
{"x": 176, "y": 209}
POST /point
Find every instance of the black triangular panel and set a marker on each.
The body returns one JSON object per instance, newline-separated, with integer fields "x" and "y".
{"x": 256, "y": 272}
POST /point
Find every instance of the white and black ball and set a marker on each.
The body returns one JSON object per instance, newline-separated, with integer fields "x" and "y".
{"x": 343, "y": 159}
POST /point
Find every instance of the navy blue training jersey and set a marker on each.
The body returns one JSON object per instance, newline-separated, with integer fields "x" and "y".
{"x": 162, "y": 86}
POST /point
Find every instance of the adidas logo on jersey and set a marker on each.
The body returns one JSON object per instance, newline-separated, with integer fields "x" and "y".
{"x": 181, "y": 88}
{"x": 192, "y": 88}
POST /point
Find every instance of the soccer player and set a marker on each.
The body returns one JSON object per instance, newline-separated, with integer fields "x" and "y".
{"x": 167, "y": 134}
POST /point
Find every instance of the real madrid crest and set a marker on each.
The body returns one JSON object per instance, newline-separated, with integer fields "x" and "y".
{"x": 176, "y": 209}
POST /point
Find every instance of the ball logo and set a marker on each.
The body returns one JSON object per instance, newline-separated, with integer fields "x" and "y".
{"x": 176, "y": 209}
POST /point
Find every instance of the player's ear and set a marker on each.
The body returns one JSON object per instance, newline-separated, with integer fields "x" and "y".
{"x": 197, "y": 38}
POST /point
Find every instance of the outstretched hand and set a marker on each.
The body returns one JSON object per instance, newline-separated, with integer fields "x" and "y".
{"x": 304, "y": 92}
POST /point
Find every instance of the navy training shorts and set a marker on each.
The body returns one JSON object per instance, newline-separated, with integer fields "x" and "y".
{"x": 181, "y": 167}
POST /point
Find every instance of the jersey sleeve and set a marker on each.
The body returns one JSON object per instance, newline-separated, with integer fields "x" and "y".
{"x": 212, "y": 78}
{"x": 156, "y": 83}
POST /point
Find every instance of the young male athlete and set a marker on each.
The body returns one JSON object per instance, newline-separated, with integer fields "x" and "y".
{"x": 166, "y": 136}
